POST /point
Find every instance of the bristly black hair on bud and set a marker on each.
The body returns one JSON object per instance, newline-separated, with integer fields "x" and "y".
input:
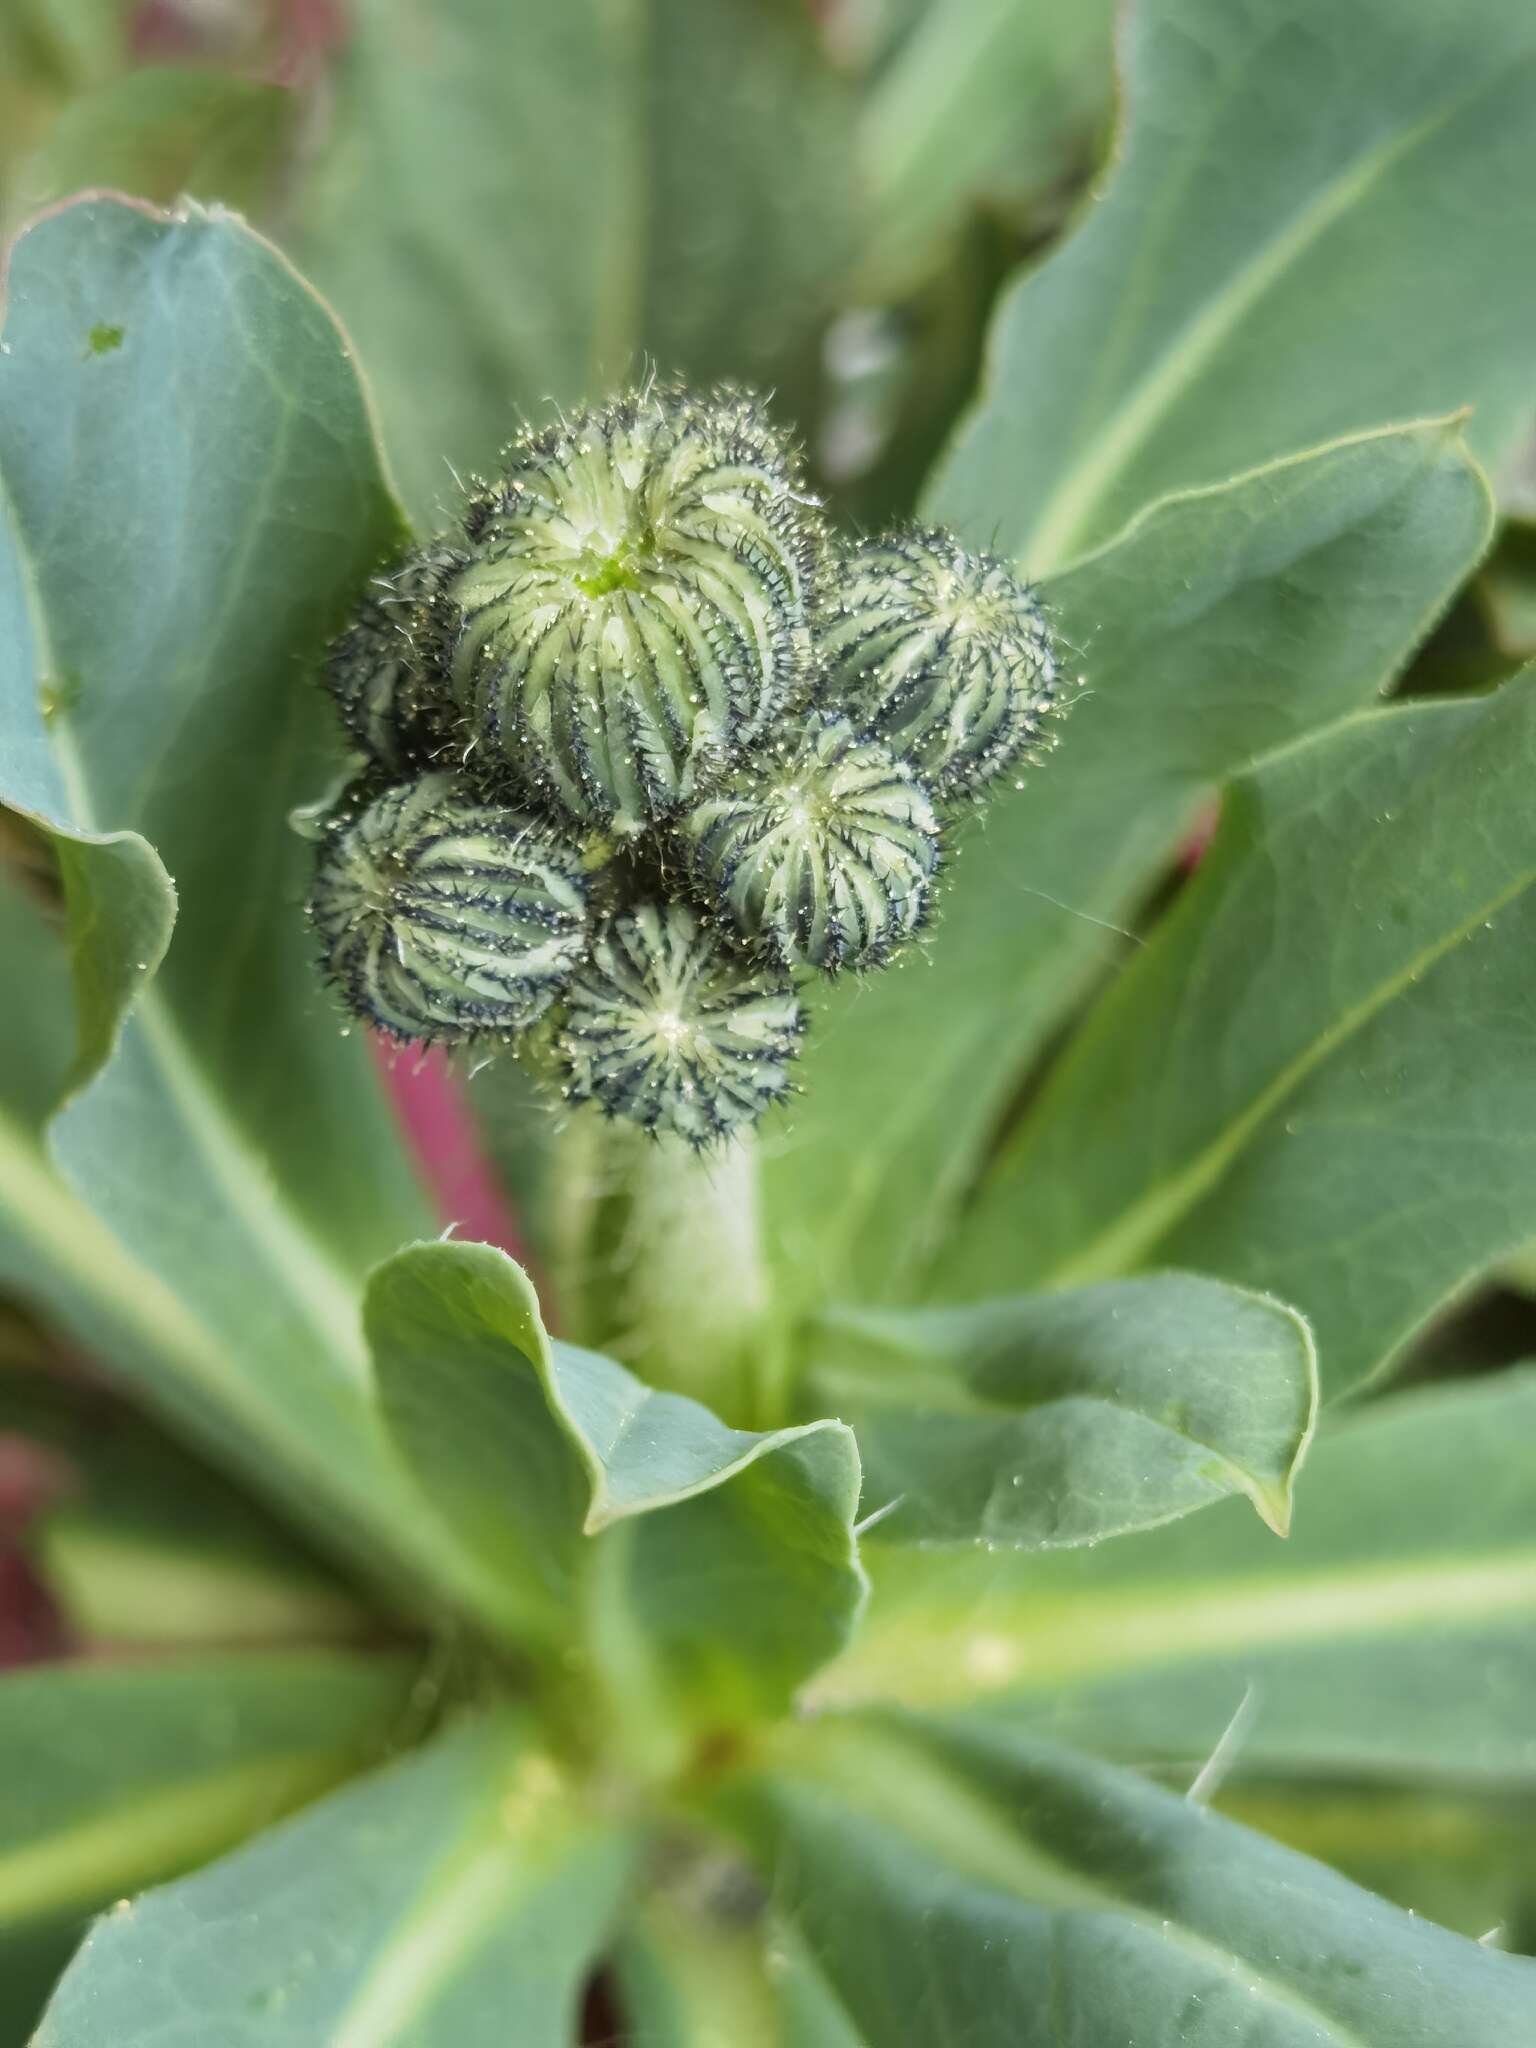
{"x": 670, "y": 1028}
{"x": 823, "y": 856}
{"x": 442, "y": 918}
{"x": 945, "y": 655}
{"x": 386, "y": 672}
{"x": 635, "y": 612}
{"x": 645, "y": 750}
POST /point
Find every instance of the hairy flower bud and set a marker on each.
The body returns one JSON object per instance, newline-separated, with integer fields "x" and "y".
{"x": 444, "y": 918}
{"x": 944, "y": 655}
{"x": 635, "y": 609}
{"x": 670, "y": 1028}
{"x": 386, "y": 671}
{"x": 823, "y": 856}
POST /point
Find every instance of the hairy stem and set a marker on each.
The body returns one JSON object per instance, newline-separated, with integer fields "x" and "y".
{"x": 659, "y": 1262}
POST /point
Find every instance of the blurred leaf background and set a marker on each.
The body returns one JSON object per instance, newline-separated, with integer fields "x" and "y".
{"x": 515, "y": 205}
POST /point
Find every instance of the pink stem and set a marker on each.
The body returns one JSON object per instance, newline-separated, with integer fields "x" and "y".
{"x": 440, "y": 1132}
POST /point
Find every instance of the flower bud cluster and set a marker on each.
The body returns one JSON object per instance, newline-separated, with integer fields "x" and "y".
{"x": 644, "y": 746}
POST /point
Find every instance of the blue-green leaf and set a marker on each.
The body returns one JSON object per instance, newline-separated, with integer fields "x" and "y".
{"x": 191, "y": 495}
{"x": 458, "y": 1897}
{"x": 1219, "y": 625}
{"x": 967, "y": 1884}
{"x": 1054, "y": 1419}
{"x": 122, "y": 1775}
{"x": 717, "y": 1565}
{"x": 1340, "y": 1006}
{"x": 1461, "y": 1856}
{"x": 1393, "y": 1635}
{"x": 1291, "y": 174}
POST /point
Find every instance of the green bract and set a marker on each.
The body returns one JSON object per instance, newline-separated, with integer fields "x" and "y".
{"x": 946, "y": 655}
{"x": 824, "y": 857}
{"x": 669, "y": 1028}
{"x": 443, "y": 917}
{"x": 634, "y": 612}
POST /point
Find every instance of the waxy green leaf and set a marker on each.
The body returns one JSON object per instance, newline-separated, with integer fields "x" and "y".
{"x": 460, "y": 1359}
{"x": 1217, "y": 626}
{"x": 718, "y": 1564}
{"x": 122, "y": 1775}
{"x": 1393, "y": 1635}
{"x": 119, "y": 901}
{"x": 967, "y": 1884}
{"x": 1461, "y": 1856}
{"x": 1055, "y": 1419}
{"x": 118, "y": 1775}
{"x": 192, "y": 495}
{"x": 1291, "y": 175}
{"x": 1340, "y": 1006}
{"x": 456, "y": 1897}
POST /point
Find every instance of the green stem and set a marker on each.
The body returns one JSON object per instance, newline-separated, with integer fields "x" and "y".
{"x": 659, "y": 1261}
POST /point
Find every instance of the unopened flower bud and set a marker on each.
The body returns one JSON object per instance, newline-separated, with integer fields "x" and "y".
{"x": 444, "y": 918}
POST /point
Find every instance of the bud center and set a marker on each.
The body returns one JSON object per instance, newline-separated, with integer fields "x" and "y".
{"x": 598, "y": 574}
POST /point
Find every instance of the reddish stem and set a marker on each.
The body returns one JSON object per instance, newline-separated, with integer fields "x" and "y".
{"x": 429, "y": 1101}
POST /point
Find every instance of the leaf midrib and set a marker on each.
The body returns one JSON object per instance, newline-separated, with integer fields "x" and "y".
{"x": 44, "y": 1211}
{"x": 1035, "y": 1644}
{"x": 153, "y": 1592}
{"x": 908, "y": 1791}
{"x": 141, "y": 1840}
{"x": 71, "y": 1236}
{"x": 445, "y": 1924}
{"x": 1149, "y": 1219}
{"x": 1058, "y": 529}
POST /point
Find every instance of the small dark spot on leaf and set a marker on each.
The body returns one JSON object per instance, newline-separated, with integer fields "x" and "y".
{"x": 102, "y": 339}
